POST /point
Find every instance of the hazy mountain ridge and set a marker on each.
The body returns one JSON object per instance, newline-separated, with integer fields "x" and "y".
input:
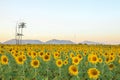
{"x": 56, "y": 41}
{"x": 90, "y": 42}
{"x": 53, "y": 41}
{"x": 13, "y": 41}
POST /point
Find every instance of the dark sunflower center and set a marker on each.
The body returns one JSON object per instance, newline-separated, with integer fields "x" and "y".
{"x": 94, "y": 72}
{"x": 111, "y": 58}
{"x": 46, "y": 57}
{"x": 76, "y": 60}
{"x": 74, "y": 69}
{"x": 94, "y": 58}
{"x": 48, "y": 53}
{"x": 59, "y": 62}
{"x": 20, "y": 59}
{"x": 4, "y": 59}
{"x": 29, "y": 53}
{"x": 35, "y": 63}
{"x": 34, "y": 54}
{"x": 105, "y": 53}
{"x": 56, "y": 54}
{"x": 41, "y": 53}
{"x": 23, "y": 57}
{"x": 111, "y": 53}
{"x": 111, "y": 66}
{"x": 79, "y": 56}
{"x": 107, "y": 59}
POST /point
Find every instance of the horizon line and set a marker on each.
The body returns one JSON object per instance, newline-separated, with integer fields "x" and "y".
{"x": 100, "y": 42}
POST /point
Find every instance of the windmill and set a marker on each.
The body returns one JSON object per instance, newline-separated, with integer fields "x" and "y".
{"x": 21, "y": 26}
{"x": 19, "y": 32}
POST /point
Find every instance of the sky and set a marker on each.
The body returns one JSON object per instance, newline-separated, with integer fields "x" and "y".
{"x": 75, "y": 20}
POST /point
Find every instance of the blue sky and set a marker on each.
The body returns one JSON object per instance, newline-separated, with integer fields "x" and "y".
{"x": 76, "y": 20}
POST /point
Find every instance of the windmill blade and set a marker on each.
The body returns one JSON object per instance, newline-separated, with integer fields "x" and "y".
{"x": 22, "y": 25}
{"x": 18, "y": 34}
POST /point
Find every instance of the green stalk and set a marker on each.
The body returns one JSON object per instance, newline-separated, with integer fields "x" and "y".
{"x": 47, "y": 71}
{"x": 59, "y": 72}
{"x": 0, "y": 70}
{"x": 23, "y": 73}
{"x": 9, "y": 69}
{"x": 35, "y": 72}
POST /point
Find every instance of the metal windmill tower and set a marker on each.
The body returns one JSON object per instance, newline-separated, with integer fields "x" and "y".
{"x": 19, "y": 32}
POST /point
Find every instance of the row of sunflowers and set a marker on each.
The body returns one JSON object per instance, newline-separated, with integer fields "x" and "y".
{"x": 59, "y": 62}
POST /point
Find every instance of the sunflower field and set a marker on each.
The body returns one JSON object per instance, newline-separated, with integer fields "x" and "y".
{"x": 59, "y": 62}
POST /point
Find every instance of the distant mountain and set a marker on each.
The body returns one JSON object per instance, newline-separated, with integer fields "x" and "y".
{"x": 55, "y": 41}
{"x": 13, "y": 41}
{"x": 112, "y": 43}
{"x": 32, "y": 42}
{"x": 89, "y": 42}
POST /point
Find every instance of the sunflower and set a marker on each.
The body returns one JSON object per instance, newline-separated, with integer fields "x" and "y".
{"x": 107, "y": 60}
{"x": 59, "y": 63}
{"x": 111, "y": 66}
{"x": 56, "y": 55}
{"x": 35, "y": 63}
{"x": 100, "y": 60}
{"x": 106, "y": 54}
{"x": 20, "y": 53}
{"x": 46, "y": 57}
{"x": 29, "y": 53}
{"x": 40, "y": 54}
{"x": 65, "y": 62}
{"x": 14, "y": 55}
{"x": 67, "y": 57}
{"x": 19, "y": 60}
{"x": 79, "y": 56}
{"x": 93, "y": 58}
{"x": 33, "y": 54}
{"x": 13, "y": 51}
{"x": 84, "y": 53}
{"x": 89, "y": 57}
{"x": 73, "y": 70}
{"x": 24, "y": 57}
{"x": 112, "y": 54}
{"x": 48, "y": 54}
{"x": 71, "y": 55}
{"x": 75, "y": 60}
{"x": 4, "y": 59}
{"x": 93, "y": 73}
{"x": 112, "y": 58}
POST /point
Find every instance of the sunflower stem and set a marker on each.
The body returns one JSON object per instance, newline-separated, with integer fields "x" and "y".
{"x": 47, "y": 69}
{"x": 35, "y": 73}
{"x": 9, "y": 69}
{"x": 23, "y": 73}
{"x": 59, "y": 72}
{"x": 1, "y": 71}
